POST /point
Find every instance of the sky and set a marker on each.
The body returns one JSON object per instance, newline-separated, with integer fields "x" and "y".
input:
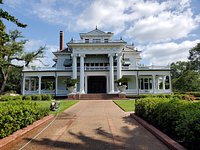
{"x": 164, "y": 30}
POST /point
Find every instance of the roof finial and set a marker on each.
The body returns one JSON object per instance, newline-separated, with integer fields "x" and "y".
{"x": 96, "y": 27}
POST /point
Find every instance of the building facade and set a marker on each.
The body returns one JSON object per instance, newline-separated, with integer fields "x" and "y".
{"x": 97, "y": 61}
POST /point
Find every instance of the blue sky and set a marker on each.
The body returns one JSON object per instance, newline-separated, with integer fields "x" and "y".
{"x": 164, "y": 30}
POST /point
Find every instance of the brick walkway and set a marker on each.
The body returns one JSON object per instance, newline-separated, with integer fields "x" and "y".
{"x": 91, "y": 125}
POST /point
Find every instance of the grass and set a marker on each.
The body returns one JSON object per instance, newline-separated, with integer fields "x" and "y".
{"x": 63, "y": 105}
{"x": 126, "y": 105}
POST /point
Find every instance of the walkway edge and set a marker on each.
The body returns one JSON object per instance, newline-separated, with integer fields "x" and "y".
{"x": 21, "y": 132}
{"x": 173, "y": 145}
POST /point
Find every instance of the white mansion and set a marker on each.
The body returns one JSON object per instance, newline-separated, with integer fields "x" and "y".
{"x": 97, "y": 61}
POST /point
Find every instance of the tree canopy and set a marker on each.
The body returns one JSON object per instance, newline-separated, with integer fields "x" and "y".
{"x": 186, "y": 74}
{"x": 12, "y": 49}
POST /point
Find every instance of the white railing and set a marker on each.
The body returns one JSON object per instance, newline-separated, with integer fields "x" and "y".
{"x": 33, "y": 68}
{"x": 95, "y": 42}
{"x": 144, "y": 67}
{"x": 47, "y": 91}
{"x": 62, "y": 92}
{"x": 31, "y": 92}
{"x": 96, "y": 67}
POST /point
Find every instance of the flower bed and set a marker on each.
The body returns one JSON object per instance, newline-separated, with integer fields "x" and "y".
{"x": 178, "y": 118}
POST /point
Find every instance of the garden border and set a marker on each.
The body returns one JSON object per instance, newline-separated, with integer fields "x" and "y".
{"x": 173, "y": 145}
{"x": 21, "y": 132}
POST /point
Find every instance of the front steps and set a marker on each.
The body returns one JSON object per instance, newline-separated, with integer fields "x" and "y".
{"x": 96, "y": 96}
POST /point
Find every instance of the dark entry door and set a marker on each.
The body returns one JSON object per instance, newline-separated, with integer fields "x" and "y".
{"x": 96, "y": 84}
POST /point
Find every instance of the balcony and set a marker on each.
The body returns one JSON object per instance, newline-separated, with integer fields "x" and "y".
{"x": 153, "y": 67}
{"x": 95, "y": 41}
{"x": 33, "y": 68}
{"x": 98, "y": 68}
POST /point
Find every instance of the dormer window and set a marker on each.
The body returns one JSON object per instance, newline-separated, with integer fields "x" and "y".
{"x": 96, "y": 40}
{"x": 105, "y": 40}
{"x": 86, "y": 40}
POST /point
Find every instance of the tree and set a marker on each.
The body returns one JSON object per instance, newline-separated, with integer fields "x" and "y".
{"x": 8, "y": 17}
{"x": 14, "y": 51}
{"x": 188, "y": 81}
{"x": 178, "y": 68}
{"x": 186, "y": 74}
{"x": 194, "y": 57}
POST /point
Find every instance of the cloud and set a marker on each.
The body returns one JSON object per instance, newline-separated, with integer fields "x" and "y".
{"x": 164, "y": 27}
{"x": 136, "y": 18}
{"x": 155, "y": 25}
{"x": 166, "y": 53}
{"x": 13, "y": 3}
{"x": 50, "y": 11}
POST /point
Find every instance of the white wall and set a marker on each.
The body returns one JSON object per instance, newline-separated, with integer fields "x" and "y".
{"x": 60, "y": 61}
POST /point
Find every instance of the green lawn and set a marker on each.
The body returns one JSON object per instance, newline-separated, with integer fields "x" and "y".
{"x": 126, "y": 105}
{"x": 64, "y": 104}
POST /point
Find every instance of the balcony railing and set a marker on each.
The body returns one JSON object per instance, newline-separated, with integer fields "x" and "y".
{"x": 98, "y": 68}
{"x": 33, "y": 68}
{"x": 96, "y": 42}
{"x": 152, "y": 67}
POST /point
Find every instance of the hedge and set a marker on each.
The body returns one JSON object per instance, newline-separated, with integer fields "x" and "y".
{"x": 15, "y": 115}
{"x": 186, "y": 96}
{"x": 27, "y": 97}
{"x": 177, "y": 118}
{"x": 46, "y": 97}
{"x": 10, "y": 98}
{"x": 34, "y": 97}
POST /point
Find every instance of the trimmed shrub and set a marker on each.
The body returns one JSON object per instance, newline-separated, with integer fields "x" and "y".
{"x": 27, "y": 97}
{"x": 46, "y": 97}
{"x": 179, "y": 119}
{"x": 18, "y": 97}
{"x": 15, "y": 115}
{"x": 36, "y": 97}
{"x": 6, "y": 98}
{"x": 196, "y": 94}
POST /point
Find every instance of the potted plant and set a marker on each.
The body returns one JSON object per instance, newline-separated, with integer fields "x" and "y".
{"x": 71, "y": 84}
{"x": 121, "y": 83}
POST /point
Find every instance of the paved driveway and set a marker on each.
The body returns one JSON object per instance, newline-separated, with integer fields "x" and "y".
{"x": 92, "y": 125}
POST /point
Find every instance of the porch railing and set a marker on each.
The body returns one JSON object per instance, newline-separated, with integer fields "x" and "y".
{"x": 98, "y": 68}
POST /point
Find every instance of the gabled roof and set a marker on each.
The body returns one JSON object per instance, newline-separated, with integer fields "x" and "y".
{"x": 96, "y": 32}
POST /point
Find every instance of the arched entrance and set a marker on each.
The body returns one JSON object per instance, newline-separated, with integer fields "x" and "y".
{"x": 96, "y": 84}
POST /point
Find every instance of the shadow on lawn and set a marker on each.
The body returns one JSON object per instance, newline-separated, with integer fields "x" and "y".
{"x": 136, "y": 138}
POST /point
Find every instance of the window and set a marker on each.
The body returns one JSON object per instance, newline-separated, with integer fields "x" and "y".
{"x": 145, "y": 83}
{"x": 86, "y": 40}
{"x": 105, "y": 40}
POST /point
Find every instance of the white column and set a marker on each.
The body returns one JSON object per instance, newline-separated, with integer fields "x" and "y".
{"x": 23, "y": 84}
{"x": 29, "y": 84}
{"x": 119, "y": 66}
{"x": 86, "y": 85}
{"x": 39, "y": 87}
{"x": 74, "y": 67}
{"x": 154, "y": 83}
{"x": 82, "y": 73}
{"x": 56, "y": 84}
{"x": 136, "y": 82}
{"x": 170, "y": 83}
{"x": 111, "y": 73}
{"x": 163, "y": 82}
